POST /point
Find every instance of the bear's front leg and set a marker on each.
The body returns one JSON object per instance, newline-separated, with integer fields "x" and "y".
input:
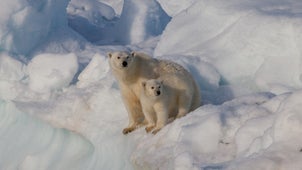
{"x": 134, "y": 110}
{"x": 135, "y": 119}
{"x": 129, "y": 129}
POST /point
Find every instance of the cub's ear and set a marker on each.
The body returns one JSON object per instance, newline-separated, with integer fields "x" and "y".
{"x": 144, "y": 84}
{"x": 109, "y": 54}
{"x": 133, "y": 53}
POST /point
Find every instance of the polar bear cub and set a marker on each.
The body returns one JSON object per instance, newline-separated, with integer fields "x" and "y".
{"x": 169, "y": 96}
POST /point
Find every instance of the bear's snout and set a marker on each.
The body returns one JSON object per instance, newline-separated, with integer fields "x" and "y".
{"x": 125, "y": 64}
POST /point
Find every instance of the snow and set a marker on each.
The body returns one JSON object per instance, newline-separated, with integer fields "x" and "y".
{"x": 12, "y": 72}
{"x": 98, "y": 23}
{"x": 24, "y": 24}
{"x": 94, "y": 71}
{"x": 51, "y": 71}
{"x": 29, "y": 143}
{"x": 266, "y": 34}
{"x": 174, "y": 7}
{"x": 61, "y": 108}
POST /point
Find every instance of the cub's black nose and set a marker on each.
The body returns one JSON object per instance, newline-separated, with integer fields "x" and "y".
{"x": 158, "y": 93}
{"x": 125, "y": 64}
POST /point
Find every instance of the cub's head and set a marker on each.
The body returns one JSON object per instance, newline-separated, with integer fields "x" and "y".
{"x": 153, "y": 87}
{"x": 121, "y": 60}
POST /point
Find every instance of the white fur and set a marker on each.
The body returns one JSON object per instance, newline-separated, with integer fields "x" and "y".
{"x": 171, "y": 95}
{"x": 131, "y": 70}
{"x": 140, "y": 67}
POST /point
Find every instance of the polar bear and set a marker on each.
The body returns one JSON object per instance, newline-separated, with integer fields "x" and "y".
{"x": 130, "y": 70}
{"x": 170, "y": 96}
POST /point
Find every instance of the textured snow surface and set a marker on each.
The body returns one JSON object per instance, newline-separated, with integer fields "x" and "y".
{"x": 60, "y": 106}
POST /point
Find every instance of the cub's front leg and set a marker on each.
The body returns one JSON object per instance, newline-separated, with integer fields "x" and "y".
{"x": 162, "y": 115}
{"x": 149, "y": 117}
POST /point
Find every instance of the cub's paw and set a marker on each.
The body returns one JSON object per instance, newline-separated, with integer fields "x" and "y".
{"x": 155, "y": 131}
{"x": 149, "y": 128}
{"x": 180, "y": 116}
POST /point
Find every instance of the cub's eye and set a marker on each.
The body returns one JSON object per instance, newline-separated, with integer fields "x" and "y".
{"x": 118, "y": 57}
{"x": 152, "y": 87}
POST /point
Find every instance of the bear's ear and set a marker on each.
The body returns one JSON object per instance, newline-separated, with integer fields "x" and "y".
{"x": 144, "y": 84}
{"x": 133, "y": 53}
{"x": 109, "y": 54}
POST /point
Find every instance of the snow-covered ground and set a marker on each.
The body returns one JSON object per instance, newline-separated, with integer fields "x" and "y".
{"x": 60, "y": 106}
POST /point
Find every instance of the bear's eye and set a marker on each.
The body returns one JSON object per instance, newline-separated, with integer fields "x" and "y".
{"x": 152, "y": 87}
{"x": 118, "y": 57}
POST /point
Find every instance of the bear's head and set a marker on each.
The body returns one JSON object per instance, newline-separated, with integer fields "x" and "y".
{"x": 153, "y": 87}
{"x": 121, "y": 60}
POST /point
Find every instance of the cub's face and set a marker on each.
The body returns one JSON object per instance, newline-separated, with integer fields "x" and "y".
{"x": 153, "y": 88}
{"x": 120, "y": 60}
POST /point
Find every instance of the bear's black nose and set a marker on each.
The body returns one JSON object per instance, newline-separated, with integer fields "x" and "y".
{"x": 158, "y": 93}
{"x": 124, "y": 64}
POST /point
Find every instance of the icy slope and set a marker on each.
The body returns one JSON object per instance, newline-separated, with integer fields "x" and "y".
{"x": 259, "y": 38}
{"x": 253, "y": 132}
{"x": 28, "y": 143}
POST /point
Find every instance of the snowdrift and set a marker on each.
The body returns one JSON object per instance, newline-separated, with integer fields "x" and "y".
{"x": 60, "y": 106}
{"x": 25, "y": 24}
{"x": 258, "y": 38}
{"x": 98, "y": 23}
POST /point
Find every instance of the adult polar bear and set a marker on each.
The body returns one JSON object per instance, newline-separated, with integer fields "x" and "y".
{"x": 131, "y": 70}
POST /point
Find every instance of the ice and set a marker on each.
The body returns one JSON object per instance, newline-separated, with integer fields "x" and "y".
{"x": 24, "y": 24}
{"x": 289, "y": 121}
{"x": 241, "y": 36}
{"x": 51, "y": 71}
{"x": 213, "y": 135}
{"x": 12, "y": 72}
{"x": 175, "y": 7}
{"x": 61, "y": 108}
{"x": 98, "y": 23}
{"x": 89, "y": 18}
{"x": 28, "y": 143}
{"x": 10, "y": 68}
{"x": 94, "y": 71}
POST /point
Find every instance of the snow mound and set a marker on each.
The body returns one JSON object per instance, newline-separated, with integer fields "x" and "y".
{"x": 24, "y": 24}
{"x": 175, "y": 7}
{"x": 12, "y": 72}
{"x": 89, "y": 18}
{"x": 98, "y": 23}
{"x": 33, "y": 144}
{"x": 241, "y": 35}
{"x": 244, "y": 131}
{"x": 96, "y": 70}
{"x": 51, "y": 71}
{"x": 10, "y": 68}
